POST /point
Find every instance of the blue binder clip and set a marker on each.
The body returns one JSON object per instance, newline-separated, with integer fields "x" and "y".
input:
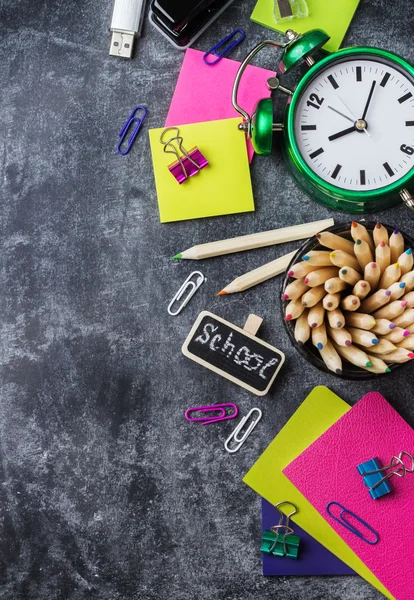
{"x": 125, "y": 129}
{"x": 220, "y": 50}
{"x": 376, "y": 481}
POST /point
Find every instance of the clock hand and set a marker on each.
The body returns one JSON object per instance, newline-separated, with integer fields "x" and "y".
{"x": 369, "y": 100}
{"x": 351, "y": 113}
{"x": 335, "y": 136}
{"x": 342, "y": 114}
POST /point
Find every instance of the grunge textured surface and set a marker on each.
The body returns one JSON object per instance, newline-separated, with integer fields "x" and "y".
{"x": 106, "y": 492}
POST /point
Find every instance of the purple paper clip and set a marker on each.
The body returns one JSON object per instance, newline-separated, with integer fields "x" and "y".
{"x": 186, "y": 165}
{"x": 216, "y": 408}
{"x": 124, "y": 131}
{"x": 235, "y": 38}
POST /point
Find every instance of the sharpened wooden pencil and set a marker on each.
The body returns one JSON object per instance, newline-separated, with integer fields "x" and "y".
{"x": 372, "y": 274}
{"x": 318, "y": 258}
{"x": 396, "y": 245}
{"x": 349, "y": 275}
{"x": 295, "y": 289}
{"x": 353, "y": 355}
{"x": 313, "y": 296}
{"x": 397, "y": 290}
{"x": 342, "y": 337}
{"x": 409, "y": 298}
{"x": 383, "y": 256}
{"x": 361, "y": 289}
{"x": 378, "y": 365}
{"x": 363, "y": 337}
{"x": 405, "y": 319}
{"x": 383, "y": 347}
{"x": 343, "y": 259}
{"x": 383, "y": 327}
{"x": 405, "y": 260}
{"x": 331, "y": 301}
{"x": 316, "y": 315}
{"x": 331, "y": 358}
{"x": 390, "y": 276}
{"x": 336, "y": 318}
{"x": 335, "y": 242}
{"x": 407, "y": 343}
{"x": 294, "y": 309}
{"x": 380, "y": 234}
{"x": 400, "y": 355}
{"x": 375, "y": 301}
{"x": 363, "y": 254}
{"x": 397, "y": 335}
{"x": 334, "y": 285}
{"x": 360, "y": 232}
{"x": 302, "y": 328}
{"x": 350, "y": 303}
{"x": 319, "y": 337}
{"x": 301, "y": 269}
{"x": 391, "y": 311}
{"x": 408, "y": 279}
{"x": 360, "y": 320}
{"x": 319, "y": 277}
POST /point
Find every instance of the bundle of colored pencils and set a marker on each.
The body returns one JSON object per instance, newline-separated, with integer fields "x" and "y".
{"x": 355, "y": 301}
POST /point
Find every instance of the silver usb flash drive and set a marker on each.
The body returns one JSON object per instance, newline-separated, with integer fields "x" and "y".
{"x": 126, "y": 24}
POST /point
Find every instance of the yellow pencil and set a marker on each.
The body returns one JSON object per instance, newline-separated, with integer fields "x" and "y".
{"x": 316, "y": 315}
{"x": 391, "y": 311}
{"x": 363, "y": 337}
{"x": 302, "y": 328}
{"x": 408, "y": 279}
{"x": 331, "y": 358}
{"x": 353, "y": 355}
{"x": 363, "y": 253}
{"x": 350, "y": 303}
{"x": 255, "y": 240}
{"x": 397, "y": 290}
{"x": 294, "y": 309}
{"x": 372, "y": 274}
{"x": 331, "y": 301}
{"x": 405, "y": 260}
{"x": 342, "y": 337}
{"x": 313, "y": 296}
{"x": 360, "y": 320}
{"x": 378, "y": 365}
{"x": 361, "y": 289}
{"x": 318, "y": 277}
{"x": 263, "y": 273}
{"x": 405, "y": 319}
{"x": 375, "y": 301}
{"x": 383, "y": 256}
{"x": 380, "y": 234}
{"x": 294, "y": 290}
{"x": 359, "y": 232}
{"x": 336, "y": 318}
{"x": 318, "y": 258}
{"x": 335, "y": 242}
{"x": 334, "y": 285}
{"x": 396, "y": 245}
{"x": 343, "y": 259}
{"x": 349, "y": 275}
{"x": 390, "y": 276}
{"x": 319, "y": 337}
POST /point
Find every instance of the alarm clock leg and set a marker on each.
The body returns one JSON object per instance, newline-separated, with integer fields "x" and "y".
{"x": 407, "y": 198}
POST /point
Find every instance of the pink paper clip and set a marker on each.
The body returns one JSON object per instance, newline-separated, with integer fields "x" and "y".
{"x": 216, "y": 408}
{"x": 188, "y": 163}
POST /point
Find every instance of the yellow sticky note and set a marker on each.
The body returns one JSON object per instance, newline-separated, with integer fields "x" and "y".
{"x": 221, "y": 188}
{"x": 333, "y": 17}
{"x": 319, "y": 411}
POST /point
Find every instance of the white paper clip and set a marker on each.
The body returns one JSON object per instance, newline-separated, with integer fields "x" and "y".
{"x": 240, "y": 441}
{"x": 190, "y": 285}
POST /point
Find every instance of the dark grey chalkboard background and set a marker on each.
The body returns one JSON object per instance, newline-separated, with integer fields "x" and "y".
{"x": 106, "y": 492}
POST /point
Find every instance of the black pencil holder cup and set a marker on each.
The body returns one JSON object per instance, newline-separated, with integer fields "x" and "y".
{"x": 308, "y": 350}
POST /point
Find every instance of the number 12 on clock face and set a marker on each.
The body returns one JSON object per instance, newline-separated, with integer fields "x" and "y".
{"x": 350, "y": 129}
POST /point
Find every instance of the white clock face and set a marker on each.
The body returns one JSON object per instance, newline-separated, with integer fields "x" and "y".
{"x": 354, "y": 124}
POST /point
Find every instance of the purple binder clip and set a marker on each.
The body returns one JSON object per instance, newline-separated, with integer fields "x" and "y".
{"x": 187, "y": 163}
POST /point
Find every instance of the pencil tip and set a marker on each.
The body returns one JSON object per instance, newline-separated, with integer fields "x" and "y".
{"x": 318, "y": 235}
{"x": 344, "y": 271}
{"x": 396, "y": 265}
{"x": 404, "y": 303}
{"x": 375, "y": 341}
{"x": 396, "y": 231}
{"x": 409, "y": 251}
{"x": 411, "y": 354}
{"x": 354, "y": 224}
{"x": 339, "y": 324}
{"x": 314, "y": 325}
{"x": 222, "y": 293}
{"x": 391, "y": 325}
{"x": 368, "y": 364}
{"x": 373, "y": 265}
{"x": 338, "y": 371}
{"x": 320, "y": 346}
{"x": 288, "y": 317}
{"x": 285, "y": 296}
{"x": 402, "y": 284}
{"x": 406, "y": 332}
{"x": 358, "y": 242}
{"x": 388, "y": 293}
{"x": 388, "y": 370}
{"x": 378, "y": 225}
{"x": 177, "y": 256}
{"x": 347, "y": 342}
{"x": 382, "y": 244}
{"x": 291, "y": 273}
{"x": 306, "y": 280}
{"x": 306, "y": 257}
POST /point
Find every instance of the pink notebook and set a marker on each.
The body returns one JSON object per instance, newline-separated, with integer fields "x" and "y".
{"x": 326, "y": 471}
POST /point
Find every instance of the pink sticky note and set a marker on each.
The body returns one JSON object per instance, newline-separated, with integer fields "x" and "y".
{"x": 327, "y": 471}
{"x": 203, "y": 93}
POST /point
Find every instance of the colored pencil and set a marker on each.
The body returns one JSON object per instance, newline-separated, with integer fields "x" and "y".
{"x": 360, "y": 320}
{"x": 390, "y": 276}
{"x": 406, "y": 319}
{"x": 316, "y": 315}
{"x": 361, "y": 289}
{"x": 372, "y": 274}
{"x": 400, "y": 355}
{"x": 383, "y": 347}
{"x": 342, "y": 337}
{"x": 336, "y": 318}
{"x": 331, "y": 358}
{"x": 295, "y": 289}
{"x": 350, "y": 303}
{"x": 408, "y": 279}
{"x": 397, "y": 335}
{"x": 360, "y": 232}
{"x": 331, "y": 301}
{"x": 313, "y": 296}
{"x": 363, "y": 253}
{"x": 318, "y": 277}
{"x": 375, "y": 301}
{"x": 405, "y": 260}
{"x": 255, "y": 240}
{"x": 318, "y": 258}
{"x": 397, "y": 290}
{"x": 383, "y": 256}
{"x": 349, "y": 275}
{"x": 382, "y": 327}
{"x": 391, "y": 311}
{"x": 353, "y": 355}
{"x": 302, "y": 328}
{"x": 319, "y": 337}
{"x": 300, "y": 270}
{"x": 263, "y": 273}
{"x": 407, "y": 343}
{"x": 343, "y": 259}
{"x": 378, "y": 365}
{"x": 334, "y": 285}
{"x": 396, "y": 244}
{"x": 409, "y": 298}
{"x": 380, "y": 234}
{"x": 363, "y": 337}
{"x": 294, "y": 309}
{"x": 335, "y": 242}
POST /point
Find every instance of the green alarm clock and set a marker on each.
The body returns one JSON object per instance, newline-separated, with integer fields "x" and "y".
{"x": 349, "y": 124}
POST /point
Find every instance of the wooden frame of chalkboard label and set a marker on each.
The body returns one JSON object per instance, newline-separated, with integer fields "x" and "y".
{"x": 234, "y": 353}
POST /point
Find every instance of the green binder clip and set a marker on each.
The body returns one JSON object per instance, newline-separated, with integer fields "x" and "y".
{"x": 280, "y": 540}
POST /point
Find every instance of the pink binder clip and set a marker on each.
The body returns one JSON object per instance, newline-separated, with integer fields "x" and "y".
{"x": 188, "y": 163}
{"x": 220, "y": 409}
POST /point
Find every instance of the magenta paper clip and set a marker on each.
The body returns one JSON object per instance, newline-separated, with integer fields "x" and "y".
{"x": 187, "y": 163}
{"x": 224, "y": 46}
{"x": 214, "y": 408}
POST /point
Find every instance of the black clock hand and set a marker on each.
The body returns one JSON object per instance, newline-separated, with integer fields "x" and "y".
{"x": 335, "y": 136}
{"x": 369, "y": 100}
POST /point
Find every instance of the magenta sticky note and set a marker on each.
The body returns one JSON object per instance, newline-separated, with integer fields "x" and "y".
{"x": 327, "y": 471}
{"x": 203, "y": 93}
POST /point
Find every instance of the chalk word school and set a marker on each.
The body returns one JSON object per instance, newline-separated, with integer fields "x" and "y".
{"x": 233, "y": 353}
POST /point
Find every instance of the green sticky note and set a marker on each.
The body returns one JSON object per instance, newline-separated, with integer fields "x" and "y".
{"x": 332, "y": 17}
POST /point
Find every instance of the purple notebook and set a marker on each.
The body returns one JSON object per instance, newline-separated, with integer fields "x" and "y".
{"x": 313, "y": 559}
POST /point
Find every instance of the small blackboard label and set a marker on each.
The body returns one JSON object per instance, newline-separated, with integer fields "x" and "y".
{"x": 233, "y": 353}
